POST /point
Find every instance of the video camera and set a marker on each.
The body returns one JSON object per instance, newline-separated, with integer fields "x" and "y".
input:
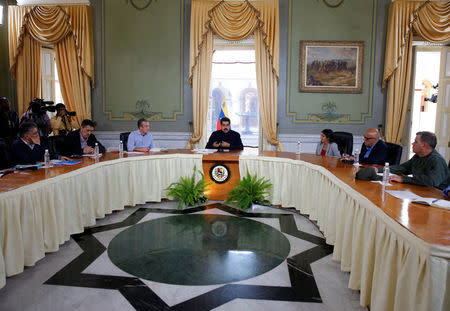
{"x": 40, "y": 106}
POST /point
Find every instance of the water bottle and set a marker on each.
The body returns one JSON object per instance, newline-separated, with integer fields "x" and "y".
{"x": 356, "y": 162}
{"x": 96, "y": 150}
{"x": 386, "y": 174}
{"x": 298, "y": 147}
{"x": 47, "y": 158}
{"x": 120, "y": 149}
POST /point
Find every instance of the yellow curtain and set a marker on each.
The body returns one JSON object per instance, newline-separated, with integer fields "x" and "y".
{"x": 431, "y": 21}
{"x": 75, "y": 86}
{"x": 54, "y": 25}
{"x": 28, "y": 70}
{"x": 235, "y": 21}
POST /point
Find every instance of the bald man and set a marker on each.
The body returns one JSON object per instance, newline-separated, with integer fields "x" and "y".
{"x": 373, "y": 150}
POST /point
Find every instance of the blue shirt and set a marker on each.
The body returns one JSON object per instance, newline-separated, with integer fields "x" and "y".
{"x": 137, "y": 140}
{"x": 369, "y": 149}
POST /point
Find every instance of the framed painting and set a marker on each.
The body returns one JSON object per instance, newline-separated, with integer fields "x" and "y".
{"x": 331, "y": 66}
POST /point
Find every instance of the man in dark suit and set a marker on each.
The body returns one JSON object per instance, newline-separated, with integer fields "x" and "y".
{"x": 27, "y": 148}
{"x": 82, "y": 141}
{"x": 9, "y": 121}
{"x": 225, "y": 137}
{"x": 373, "y": 150}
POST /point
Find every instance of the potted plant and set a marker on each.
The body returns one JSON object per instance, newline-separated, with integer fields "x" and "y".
{"x": 188, "y": 191}
{"x": 250, "y": 190}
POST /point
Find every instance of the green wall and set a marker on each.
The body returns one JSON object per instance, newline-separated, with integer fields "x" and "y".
{"x": 354, "y": 20}
{"x": 142, "y": 57}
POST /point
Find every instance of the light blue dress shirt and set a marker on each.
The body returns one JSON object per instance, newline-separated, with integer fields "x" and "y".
{"x": 368, "y": 150}
{"x": 137, "y": 140}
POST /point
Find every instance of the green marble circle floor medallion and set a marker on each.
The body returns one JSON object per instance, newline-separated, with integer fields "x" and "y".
{"x": 201, "y": 249}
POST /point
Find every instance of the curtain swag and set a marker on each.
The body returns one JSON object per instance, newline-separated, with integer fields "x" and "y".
{"x": 51, "y": 25}
{"x": 235, "y": 21}
{"x": 431, "y": 21}
{"x": 69, "y": 29}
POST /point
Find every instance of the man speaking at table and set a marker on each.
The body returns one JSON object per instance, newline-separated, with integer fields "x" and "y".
{"x": 225, "y": 137}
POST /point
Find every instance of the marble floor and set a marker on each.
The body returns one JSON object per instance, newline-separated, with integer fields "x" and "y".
{"x": 212, "y": 257}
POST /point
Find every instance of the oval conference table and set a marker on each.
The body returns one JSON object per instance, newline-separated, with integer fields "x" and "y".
{"x": 397, "y": 252}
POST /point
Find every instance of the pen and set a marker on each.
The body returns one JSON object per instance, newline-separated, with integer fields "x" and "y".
{"x": 434, "y": 201}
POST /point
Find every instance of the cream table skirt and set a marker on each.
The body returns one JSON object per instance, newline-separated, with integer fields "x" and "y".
{"x": 37, "y": 218}
{"x": 393, "y": 269}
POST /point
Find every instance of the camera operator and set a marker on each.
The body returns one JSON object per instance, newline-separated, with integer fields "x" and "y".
{"x": 62, "y": 123}
{"x": 38, "y": 114}
{"x": 9, "y": 121}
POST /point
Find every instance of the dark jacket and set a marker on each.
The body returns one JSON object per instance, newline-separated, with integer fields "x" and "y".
{"x": 72, "y": 144}
{"x": 23, "y": 154}
{"x": 9, "y": 125}
{"x": 378, "y": 155}
{"x": 232, "y": 137}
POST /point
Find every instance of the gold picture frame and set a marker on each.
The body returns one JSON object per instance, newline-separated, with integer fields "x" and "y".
{"x": 331, "y": 66}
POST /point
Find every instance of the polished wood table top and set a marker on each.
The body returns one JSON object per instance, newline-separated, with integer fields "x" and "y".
{"x": 428, "y": 223}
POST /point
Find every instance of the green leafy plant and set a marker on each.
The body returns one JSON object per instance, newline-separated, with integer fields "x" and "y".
{"x": 250, "y": 189}
{"x": 188, "y": 191}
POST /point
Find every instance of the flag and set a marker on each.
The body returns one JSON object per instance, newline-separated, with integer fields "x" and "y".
{"x": 223, "y": 113}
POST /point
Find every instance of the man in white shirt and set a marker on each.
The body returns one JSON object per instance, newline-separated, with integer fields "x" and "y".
{"x": 141, "y": 140}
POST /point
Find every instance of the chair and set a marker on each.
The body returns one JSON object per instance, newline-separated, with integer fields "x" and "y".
{"x": 344, "y": 140}
{"x": 55, "y": 144}
{"x": 124, "y": 139}
{"x": 5, "y": 155}
{"x": 394, "y": 153}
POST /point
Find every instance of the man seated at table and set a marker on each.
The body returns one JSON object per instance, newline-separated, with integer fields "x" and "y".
{"x": 82, "y": 141}
{"x": 427, "y": 166}
{"x": 140, "y": 139}
{"x": 225, "y": 137}
{"x": 27, "y": 148}
{"x": 373, "y": 150}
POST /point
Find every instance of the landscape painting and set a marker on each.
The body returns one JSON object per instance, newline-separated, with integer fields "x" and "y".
{"x": 331, "y": 66}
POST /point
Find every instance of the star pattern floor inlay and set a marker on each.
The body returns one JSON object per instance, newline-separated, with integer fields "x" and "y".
{"x": 289, "y": 282}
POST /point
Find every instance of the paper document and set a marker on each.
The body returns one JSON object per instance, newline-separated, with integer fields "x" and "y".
{"x": 158, "y": 149}
{"x": 134, "y": 152}
{"x": 433, "y": 202}
{"x": 403, "y": 194}
{"x": 380, "y": 182}
{"x": 205, "y": 151}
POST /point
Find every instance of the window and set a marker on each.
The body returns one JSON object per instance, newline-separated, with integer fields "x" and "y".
{"x": 233, "y": 90}
{"x": 1, "y": 14}
{"x": 50, "y": 87}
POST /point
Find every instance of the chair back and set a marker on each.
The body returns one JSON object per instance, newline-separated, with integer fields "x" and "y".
{"x": 344, "y": 140}
{"x": 394, "y": 153}
{"x": 124, "y": 139}
{"x": 5, "y": 155}
{"x": 55, "y": 144}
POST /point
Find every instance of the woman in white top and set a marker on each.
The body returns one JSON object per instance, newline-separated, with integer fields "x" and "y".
{"x": 326, "y": 147}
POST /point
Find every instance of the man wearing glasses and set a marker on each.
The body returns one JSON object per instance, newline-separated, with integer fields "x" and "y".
{"x": 373, "y": 150}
